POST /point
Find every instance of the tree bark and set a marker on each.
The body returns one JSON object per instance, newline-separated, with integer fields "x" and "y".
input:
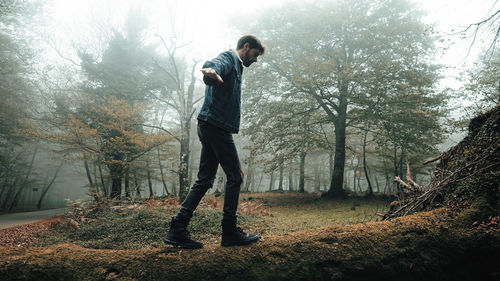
{"x": 330, "y": 163}
{"x": 127, "y": 183}
{"x": 46, "y": 188}
{"x": 161, "y": 173}
{"x": 137, "y": 186}
{"x": 191, "y": 160}
{"x": 17, "y": 196}
{"x": 395, "y": 165}
{"x": 336, "y": 186}
{"x": 10, "y": 190}
{"x": 150, "y": 183}
{"x": 260, "y": 180}
{"x": 302, "y": 171}
{"x": 250, "y": 173}
{"x": 116, "y": 172}
{"x": 280, "y": 183}
{"x": 354, "y": 176}
{"x": 184, "y": 166}
{"x": 271, "y": 181}
{"x": 365, "y": 168}
{"x": 317, "y": 180}
{"x": 94, "y": 190}
{"x": 173, "y": 181}
{"x": 186, "y": 113}
{"x": 103, "y": 183}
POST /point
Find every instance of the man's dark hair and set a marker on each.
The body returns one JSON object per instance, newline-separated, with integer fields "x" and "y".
{"x": 253, "y": 43}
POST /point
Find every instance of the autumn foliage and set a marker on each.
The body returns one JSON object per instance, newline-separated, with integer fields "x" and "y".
{"x": 110, "y": 134}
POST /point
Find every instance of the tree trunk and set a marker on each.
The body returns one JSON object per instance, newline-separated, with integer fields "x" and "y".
{"x": 10, "y": 190}
{"x": 337, "y": 182}
{"x": 260, "y": 180}
{"x": 395, "y": 164}
{"x": 191, "y": 160}
{"x": 137, "y": 186}
{"x": 94, "y": 179}
{"x": 365, "y": 168}
{"x": 17, "y": 196}
{"x": 103, "y": 183}
{"x": 184, "y": 165}
{"x": 116, "y": 173}
{"x": 248, "y": 179}
{"x": 271, "y": 181}
{"x": 354, "y": 176}
{"x": 302, "y": 171}
{"x": 173, "y": 181}
{"x": 250, "y": 173}
{"x": 150, "y": 183}
{"x": 280, "y": 183}
{"x": 401, "y": 159}
{"x": 3, "y": 186}
{"x": 127, "y": 183}
{"x": 87, "y": 171}
{"x": 186, "y": 113}
{"x": 317, "y": 181}
{"x": 116, "y": 186}
{"x": 387, "y": 176}
{"x": 161, "y": 173}
{"x": 330, "y": 163}
{"x": 46, "y": 188}
{"x": 290, "y": 179}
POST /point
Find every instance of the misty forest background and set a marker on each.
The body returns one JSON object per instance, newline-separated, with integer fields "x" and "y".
{"x": 346, "y": 92}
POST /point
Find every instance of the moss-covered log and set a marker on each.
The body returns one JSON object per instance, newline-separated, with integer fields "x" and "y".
{"x": 434, "y": 245}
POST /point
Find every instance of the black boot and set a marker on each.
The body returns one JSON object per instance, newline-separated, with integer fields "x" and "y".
{"x": 234, "y": 236}
{"x": 179, "y": 236}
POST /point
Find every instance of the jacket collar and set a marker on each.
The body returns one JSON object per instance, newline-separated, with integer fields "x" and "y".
{"x": 238, "y": 59}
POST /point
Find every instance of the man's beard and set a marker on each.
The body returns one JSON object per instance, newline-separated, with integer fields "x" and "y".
{"x": 246, "y": 60}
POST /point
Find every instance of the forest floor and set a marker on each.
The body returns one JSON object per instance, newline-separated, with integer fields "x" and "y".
{"x": 143, "y": 224}
{"x": 304, "y": 237}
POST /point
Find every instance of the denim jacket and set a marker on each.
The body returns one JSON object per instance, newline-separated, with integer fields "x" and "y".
{"x": 222, "y": 104}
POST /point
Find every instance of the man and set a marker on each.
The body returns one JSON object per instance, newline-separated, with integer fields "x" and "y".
{"x": 218, "y": 119}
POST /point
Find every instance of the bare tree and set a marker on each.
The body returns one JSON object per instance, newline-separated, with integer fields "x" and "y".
{"x": 181, "y": 99}
{"x": 491, "y": 25}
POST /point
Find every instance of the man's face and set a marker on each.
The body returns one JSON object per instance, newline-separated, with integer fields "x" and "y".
{"x": 250, "y": 56}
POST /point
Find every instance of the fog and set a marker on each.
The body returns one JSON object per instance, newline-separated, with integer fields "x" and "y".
{"x": 100, "y": 98}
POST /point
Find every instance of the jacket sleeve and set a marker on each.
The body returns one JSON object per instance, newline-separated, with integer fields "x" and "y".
{"x": 222, "y": 64}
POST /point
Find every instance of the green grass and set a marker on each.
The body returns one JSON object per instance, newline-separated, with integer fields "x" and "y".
{"x": 294, "y": 211}
{"x": 106, "y": 225}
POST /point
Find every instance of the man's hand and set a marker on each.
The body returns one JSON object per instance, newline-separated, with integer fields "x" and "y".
{"x": 210, "y": 72}
{"x": 242, "y": 173}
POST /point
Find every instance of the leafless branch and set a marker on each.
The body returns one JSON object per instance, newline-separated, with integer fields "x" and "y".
{"x": 477, "y": 26}
{"x": 161, "y": 129}
{"x": 433, "y": 159}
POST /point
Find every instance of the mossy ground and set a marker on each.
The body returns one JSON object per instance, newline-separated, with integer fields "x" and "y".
{"x": 145, "y": 224}
{"x": 433, "y": 245}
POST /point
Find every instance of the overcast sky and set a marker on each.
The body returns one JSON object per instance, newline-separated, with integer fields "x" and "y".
{"x": 201, "y": 21}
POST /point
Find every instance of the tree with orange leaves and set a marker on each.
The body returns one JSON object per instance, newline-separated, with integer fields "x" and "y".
{"x": 113, "y": 137}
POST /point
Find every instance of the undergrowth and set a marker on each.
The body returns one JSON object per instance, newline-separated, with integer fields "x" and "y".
{"x": 138, "y": 225}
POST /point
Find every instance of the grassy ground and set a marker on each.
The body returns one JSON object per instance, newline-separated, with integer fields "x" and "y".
{"x": 139, "y": 225}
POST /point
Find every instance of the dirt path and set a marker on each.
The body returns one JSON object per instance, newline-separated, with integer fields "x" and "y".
{"x": 16, "y": 219}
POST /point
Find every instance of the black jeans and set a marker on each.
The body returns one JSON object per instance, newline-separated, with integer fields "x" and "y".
{"x": 217, "y": 148}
